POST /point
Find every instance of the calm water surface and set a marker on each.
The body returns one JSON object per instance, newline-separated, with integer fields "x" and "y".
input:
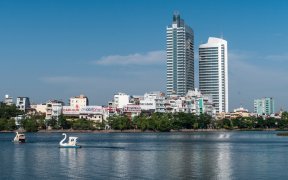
{"x": 200, "y": 155}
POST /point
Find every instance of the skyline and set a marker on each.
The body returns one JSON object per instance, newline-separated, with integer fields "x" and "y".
{"x": 60, "y": 49}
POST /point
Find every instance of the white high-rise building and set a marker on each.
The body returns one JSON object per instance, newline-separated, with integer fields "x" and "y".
{"x": 213, "y": 72}
{"x": 180, "y": 57}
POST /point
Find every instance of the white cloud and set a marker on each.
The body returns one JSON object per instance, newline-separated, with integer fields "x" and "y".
{"x": 152, "y": 57}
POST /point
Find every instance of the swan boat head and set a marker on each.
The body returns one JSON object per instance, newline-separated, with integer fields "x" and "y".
{"x": 72, "y": 142}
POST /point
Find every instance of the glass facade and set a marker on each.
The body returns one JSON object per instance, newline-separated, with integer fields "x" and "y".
{"x": 180, "y": 57}
{"x": 264, "y": 106}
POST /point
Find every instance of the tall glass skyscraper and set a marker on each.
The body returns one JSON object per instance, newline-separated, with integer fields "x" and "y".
{"x": 213, "y": 72}
{"x": 180, "y": 57}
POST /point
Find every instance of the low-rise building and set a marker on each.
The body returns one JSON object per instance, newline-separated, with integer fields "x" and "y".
{"x": 121, "y": 99}
{"x": 78, "y": 102}
{"x": 70, "y": 111}
{"x": 39, "y": 108}
{"x": 54, "y": 109}
{"x": 131, "y": 110}
{"x": 192, "y": 102}
{"x": 8, "y": 100}
{"x": 264, "y": 106}
{"x": 153, "y": 101}
{"x": 93, "y": 113}
{"x": 240, "y": 112}
{"x": 23, "y": 103}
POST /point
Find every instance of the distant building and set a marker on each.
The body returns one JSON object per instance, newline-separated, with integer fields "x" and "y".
{"x": 213, "y": 72}
{"x": 78, "y": 102}
{"x": 153, "y": 101}
{"x": 92, "y": 113}
{"x": 23, "y": 103}
{"x": 199, "y": 103}
{"x": 180, "y": 57}
{"x": 240, "y": 112}
{"x": 131, "y": 110}
{"x": 264, "y": 106}
{"x": 39, "y": 108}
{"x": 70, "y": 111}
{"x": 121, "y": 100}
{"x": 8, "y": 100}
{"x": 54, "y": 109}
{"x": 193, "y": 102}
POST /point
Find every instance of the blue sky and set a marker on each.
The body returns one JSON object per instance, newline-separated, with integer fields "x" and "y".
{"x": 56, "y": 49}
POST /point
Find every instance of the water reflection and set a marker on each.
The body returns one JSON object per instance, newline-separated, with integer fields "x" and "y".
{"x": 221, "y": 155}
{"x": 70, "y": 161}
{"x": 224, "y": 163}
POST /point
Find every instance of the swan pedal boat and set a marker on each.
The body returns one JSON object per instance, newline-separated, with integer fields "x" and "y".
{"x": 19, "y": 138}
{"x": 72, "y": 142}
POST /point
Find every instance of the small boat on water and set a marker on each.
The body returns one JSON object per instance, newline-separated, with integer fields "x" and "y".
{"x": 72, "y": 142}
{"x": 20, "y": 138}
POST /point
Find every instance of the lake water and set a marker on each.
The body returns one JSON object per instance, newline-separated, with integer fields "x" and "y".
{"x": 196, "y": 155}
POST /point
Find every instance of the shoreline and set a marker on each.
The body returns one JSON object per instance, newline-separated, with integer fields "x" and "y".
{"x": 139, "y": 131}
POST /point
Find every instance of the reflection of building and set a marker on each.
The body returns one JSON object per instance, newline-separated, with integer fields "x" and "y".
{"x": 23, "y": 103}
{"x": 54, "y": 109}
{"x": 78, "y": 102}
{"x": 213, "y": 72}
{"x": 180, "y": 57}
{"x": 8, "y": 100}
{"x": 264, "y": 106}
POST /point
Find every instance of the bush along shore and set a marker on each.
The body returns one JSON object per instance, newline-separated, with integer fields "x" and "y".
{"x": 155, "y": 122}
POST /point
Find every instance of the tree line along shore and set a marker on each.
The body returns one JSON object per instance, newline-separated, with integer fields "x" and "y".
{"x": 146, "y": 122}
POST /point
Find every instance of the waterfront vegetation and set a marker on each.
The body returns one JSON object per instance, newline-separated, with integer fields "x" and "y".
{"x": 163, "y": 122}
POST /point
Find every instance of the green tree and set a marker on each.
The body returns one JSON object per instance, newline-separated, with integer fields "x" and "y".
{"x": 10, "y": 125}
{"x": 224, "y": 123}
{"x": 141, "y": 122}
{"x": 119, "y": 122}
{"x": 53, "y": 123}
{"x": 161, "y": 122}
{"x": 30, "y": 125}
{"x": 183, "y": 120}
{"x": 63, "y": 123}
{"x": 205, "y": 121}
{"x": 83, "y": 124}
{"x": 7, "y": 112}
{"x": 3, "y": 124}
{"x": 283, "y": 123}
